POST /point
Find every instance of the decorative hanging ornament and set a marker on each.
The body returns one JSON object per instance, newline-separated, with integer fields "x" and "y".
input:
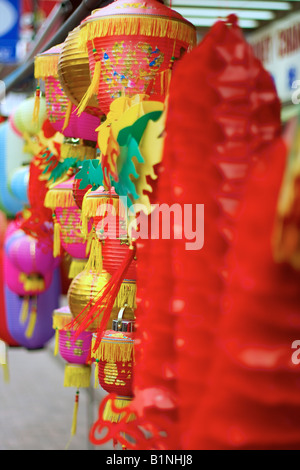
{"x": 84, "y": 292}
{"x": 74, "y": 72}
{"x": 76, "y": 351}
{"x": 67, "y": 225}
{"x": 107, "y": 213}
{"x": 132, "y": 47}
{"x": 114, "y": 363}
{"x": 60, "y": 109}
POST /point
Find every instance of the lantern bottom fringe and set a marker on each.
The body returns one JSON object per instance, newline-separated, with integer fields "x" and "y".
{"x": 59, "y": 198}
{"x": 114, "y": 351}
{"x": 76, "y": 267}
{"x": 77, "y": 376}
{"x": 110, "y": 414}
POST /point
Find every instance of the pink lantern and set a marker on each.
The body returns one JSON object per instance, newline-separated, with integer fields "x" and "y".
{"x": 67, "y": 223}
{"x": 61, "y": 112}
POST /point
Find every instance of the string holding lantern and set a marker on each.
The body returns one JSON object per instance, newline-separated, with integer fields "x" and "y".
{"x": 76, "y": 351}
{"x": 132, "y": 48}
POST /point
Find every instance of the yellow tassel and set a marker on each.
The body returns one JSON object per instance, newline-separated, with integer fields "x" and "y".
{"x": 138, "y": 25}
{"x": 68, "y": 115}
{"x": 75, "y": 412}
{"x": 92, "y": 90}
{"x": 76, "y": 267}
{"x": 95, "y": 262}
{"x": 5, "y": 373}
{"x": 113, "y": 351}
{"x": 56, "y": 344}
{"x": 89, "y": 242}
{"x": 24, "y": 310}
{"x": 60, "y": 320}
{"x": 59, "y": 198}
{"x": 126, "y": 295}
{"x": 56, "y": 239}
{"x": 36, "y": 109}
{"x": 32, "y": 322}
{"x": 4, "y": 360}
{"x": 78, "y": 376}
{"x": 46, "y": 65}
{"x": 96, "y": 384}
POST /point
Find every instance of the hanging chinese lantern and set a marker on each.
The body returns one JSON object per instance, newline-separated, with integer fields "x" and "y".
{"x": 74, "y": 72}
{"x": 60, "y": 110}
{"x": 76, "y": 351}
{"x": 67, "y": 224}
{"x": 107, "y": 213}
{"x": 114, "y": 359}
{"x": 31, "y": 327}
{"x": 29, "y": 269}
{"x": 132, "y": 48}
{"x": 85, "y": 288}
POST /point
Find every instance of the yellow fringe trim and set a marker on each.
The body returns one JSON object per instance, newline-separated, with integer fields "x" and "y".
{"x": 76, "y": 267}
{"x": 78, "y": 151}
{"x": 56, "y": 197}
{"x": 78, "y": 376}
{"x": 60, "y": 320}
{"x": 95, "y": 262}
{"x": 113, "y": 417}
{"x": 154, "y": 26}
{"x": 126, "y": 295}
{"x": 112, "y": 351}
{"x": 93, "y": 206}
{"x": 68, "y": 115}
{"x": 32, "y": 322}
{"x": 46, "y": 65}
{"x": 92, "y": 90}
